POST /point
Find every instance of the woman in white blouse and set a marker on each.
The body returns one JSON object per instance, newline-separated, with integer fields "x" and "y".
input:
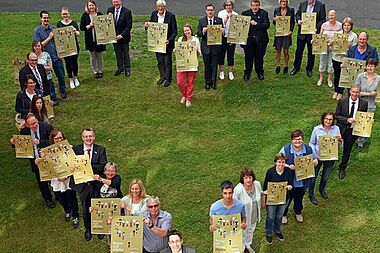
{"x": 134, "y": 203}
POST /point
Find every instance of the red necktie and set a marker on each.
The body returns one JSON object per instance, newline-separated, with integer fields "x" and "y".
{"x": 89, "y": 153}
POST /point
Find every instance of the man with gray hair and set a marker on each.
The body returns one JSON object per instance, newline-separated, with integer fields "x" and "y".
{"x": 157, "y": 223}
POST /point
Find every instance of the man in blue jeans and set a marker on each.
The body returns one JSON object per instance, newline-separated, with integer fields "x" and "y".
{"x": 44, "y": 34}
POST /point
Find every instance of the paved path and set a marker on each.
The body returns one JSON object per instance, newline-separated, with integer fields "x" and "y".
{"x": 365, "y": 13}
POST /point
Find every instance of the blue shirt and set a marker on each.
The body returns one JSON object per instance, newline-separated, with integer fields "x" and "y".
{"x": 218, "y": 209}
{"x": 363, "y": 56}
{"x": 40, "y": 34}
{"x": 153, "y": 242}
{"x": 320, "y": 131}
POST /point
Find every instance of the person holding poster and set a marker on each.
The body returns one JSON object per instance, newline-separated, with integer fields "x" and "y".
{"x": 325, "y": 60}
{"x": 278, "y": 173}
{"x": 123, "y": 26}
{"x": 211, "y": 54}
{"x": 38, "y": 108}
{"x": 248, "y": 191}
{"x": 96, "y": 51}
{"x": 294, "y": 150}
{"x": 257, "y": 41}
{"x": 326, "y": 127}
{"x": 91, "y": 189}
{"x": 363, "y": 51}
{"x": 40, "y": 133}
{"x": 337, "y": 59}
{"x": 24, "y": 97}
{"x": 369, "y": 83}
{"x": 176, "y": 243}
{"x": 225, "y": 15}
{"x": 157, "y": 224}
{"x": 307, "y": 6}
{"x": 134, "y": 203}
{"x": 185, "y": 79}
{"x": 164, "y": 60}
{"x": 345, "y": 115}
{"x": 283, "y": 42}
{"x": 44, "y": 33}
{"x": 71, "y": 61}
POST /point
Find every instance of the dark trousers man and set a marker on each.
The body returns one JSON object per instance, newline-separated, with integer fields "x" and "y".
{"x": 211, "y": 64}
{"x": 299, "y": 53}
{"x": 348, "y": 143}
{"x": 122, "y": 56}
{"x": 254, "y": 53}
{"x": 164, "y": 64}
{"x": 44, "y": 186}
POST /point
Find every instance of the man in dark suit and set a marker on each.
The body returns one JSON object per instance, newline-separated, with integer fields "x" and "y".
{"x": 123, "y": 26}
{"x": 211, "y": 54}
{"x": 308, "y": 6}
{"x": 345, "y": 116}
{"x": 164, "y": 60}
{"x": 257, "y": 40}
{"x": 38, "y": 71}
{"x": 40, "y": 133}
{"x": 91, "y": 189}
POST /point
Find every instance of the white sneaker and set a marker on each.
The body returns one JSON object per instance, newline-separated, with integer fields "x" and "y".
{"x": 231, "y": 76}
{"x": 284, "y": 220}
{"x": 183, "y": 99}
{"x": 330, "y": 83}
{"x": 221, "y": 75}
{"x": 299, "y": 217}
{"x": 76, "y": 82}
{"x": 72, "y": 85}
{"x": 188, "y": 103}
{"x": 320, "y": 81}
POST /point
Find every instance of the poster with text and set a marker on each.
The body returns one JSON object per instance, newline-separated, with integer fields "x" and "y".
{"x": 186, "y": 56}
{"x": 309, "y": 23}
{"x": 102, "y": 210}
{"x": 319, "y": 43}
{"x": 104, "y": 26}
{"x": 328, "y": 148}
{"x": 65, "y": 43}
{"x": 304, "y": 167}
{"x": 23, "y": 146}
{"x": 214, "y": 35}
{"x": 340, "y": 43}
{"x": 127, "y": 234}
{"x": 238, "y": 30}
{"x": 228, "y": 234}
{"x": 49, "y": 107}
{"x": 59, "y": 157}
{"x": 282, "y": 26}
{"x": 276, "y": 193}
{"x": 363, "y": 124}
{"x": 351, "y": 68}
{"x": 157, "y": 35}
{"x": 82, "y": 169}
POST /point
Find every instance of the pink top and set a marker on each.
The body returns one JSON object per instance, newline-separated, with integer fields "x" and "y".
{"x": 331, "y": 29}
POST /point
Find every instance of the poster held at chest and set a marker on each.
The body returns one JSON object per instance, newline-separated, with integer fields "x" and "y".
{"x": 351, "y": 68}
{"x": 238, "y": 30}
{"x": 304, "y": 167}
{"x": 319, "y": 43}
{"x": 328, "y": 148}
{"x": 309, "y": 23}
{"x": 282, "y": 26}
{"x": 104, "y": 26}
{"x": 276, "y": 193}
{"x": 102, "y": 209}
{"x": 64, "y": 39}
{"x": 127, "y": 234}
{"x": 157, "y": 36}
{"x": 228, "y": 234}
{"x": 214, "y": 35}
{"x": 186, "y": 56}
{"x": 23, "y": 146}
{"x": 363, "y": 124}
{"x": 82, "y": 169}
{"x": 340, "y": 44}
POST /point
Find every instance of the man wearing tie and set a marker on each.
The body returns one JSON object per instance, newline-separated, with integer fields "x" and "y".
{"x": 123, "y": 25}
{"x": 345, "y": 115}
{"x": 38, "y": 71}
{"x": 86, "y": 191}
{"x": 40, "y": 133}
{"x": 211, "y": 54}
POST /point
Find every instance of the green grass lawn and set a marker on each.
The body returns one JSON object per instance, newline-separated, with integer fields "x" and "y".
{"x": 182, "y": 154}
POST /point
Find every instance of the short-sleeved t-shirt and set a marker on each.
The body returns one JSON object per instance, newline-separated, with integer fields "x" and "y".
{"x": 218, "y": 209}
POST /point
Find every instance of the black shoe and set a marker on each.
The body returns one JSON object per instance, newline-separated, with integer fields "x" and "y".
{"x": 167, "y": 83}
{"x": 75, "y": 222}
{"x": 359, "y": 148}
{"x": 67, "y": 217}
{"x": 280, "y": 237}
{"x": 309, "y": 73}
{"x": 286, "y": 69}
{"x": 313, "y": 200}
{"x": 100, "y": 75}
{"x": 100, "y": 237}
{"x": 342, "y": 173}
{"x": 127, "y": 73}
{"x": 161, "y": 81}
{"x": 63, "y": 95}
{"x": 246, "y": 77}
{"x": 87, "y": 235}
{"x": 118, "y": 72}
{"x": 294, "y": 71}
{"x": 213, "y": 85}
{"x": 260, "y": 76}
{"x": 50, "y": 204}
{"x": 278, "y": 69}
{"x": 96, "y": 75}
{"x": 269, "y": 239}
{"x": 323, "y": 194}
{"x": 207, "y": 87}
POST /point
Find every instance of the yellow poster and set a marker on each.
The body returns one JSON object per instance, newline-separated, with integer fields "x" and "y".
{"x": 328, "y": 148}
{"x": 319, "y": 43}
{"x": 228, "y": 234}
{"x": 102, "y": 209}
{"x": 127, "y": 234}
{"x": 214, "y": 35}
{"x": 276, "y": 193}
{"x": 47, "y": 172}
{"x": 340, "y": 43}
{"x": 82, "y": 169}
{"x": 157, "y": 37}
{"x": 64, "y": 39}
{"x": 309, "y": 23}
{"x": 23, "y": 146}
{"x": 186, "y": 56}
{"x": 104, "y": 26}
{"x": 363, "y": 124}
{"x": 377, "y": 99}
{"x": 304, "y": 167}
{"x": 282, "y": 26}
{"x": 238, "y": 30}
{"x": 49, "y": 107}
{"x": 351, "y": 68}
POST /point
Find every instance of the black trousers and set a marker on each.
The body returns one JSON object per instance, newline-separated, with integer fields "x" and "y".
{"x": 122, "y": 55}
{"x": 164, "y": 64}
{"x": 299, "y": 53}
{"x": 210, "y": 62}
{"x": 337, "y": 69}
{"x": 254, "y": 53}
{"x": 295, "y": 194}
{"x": 44, "y": 186}
{"x": 69, "y": 202}
{"x": 230, "y": 50}
{"x": 71, "y": 63}
{"x": 348, "y": 143}
{"x": 85, "y": 198}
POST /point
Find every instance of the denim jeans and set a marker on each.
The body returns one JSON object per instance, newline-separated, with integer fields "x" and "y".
{"x": 327, "y": 167}
{"x": 60, "y": 74}
{"x": 273, "y": 221}
{"x": 53, "y": 96}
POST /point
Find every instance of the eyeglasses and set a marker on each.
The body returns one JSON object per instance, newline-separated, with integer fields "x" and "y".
{"x": 33, "y": 59}
{"x": 153, "y": 206}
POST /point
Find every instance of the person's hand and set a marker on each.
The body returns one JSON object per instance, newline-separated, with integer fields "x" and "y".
{"x": 90, "y": 209}
{"x": 212, "y": 228}
{"x": 315, "y": 162}
{"x": 292, "y": 167}
{"x": 37, "y": 161}
{"x": 146, "y": 24}
{"x": 290, "y": 33}
{"x": 167, "y": 42}
{"x": 51, "y": 35}
{"x": 62, "y": 179}
{"x": 42, "y": 154}
{"x": 35, "y": 141}
{"x": 147, "y": 221}
{"x": 253, "y": 22}
{"x": 204, "y": 30}
{"x": 330, "y": 43}
{"x": 373, "y": 93}
{"x": 96, "y": 177}
{"x": 351, "y": 120}
{"x": 12, "y": 141}
{"x": 222, "y": 29}
{"x": 300, "y": 22}
{"x": 263, "y": 204}
{"x": 275, "y": 18}
{"x": 243, "y": 225}
{"x": 119, "y": 37}
{"x": 289, "y": 187}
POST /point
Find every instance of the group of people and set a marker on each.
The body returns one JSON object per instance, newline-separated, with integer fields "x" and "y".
{"x": 246, "y": 197}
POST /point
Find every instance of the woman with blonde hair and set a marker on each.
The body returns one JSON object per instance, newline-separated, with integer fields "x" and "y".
{"x": 134, "y": 203}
